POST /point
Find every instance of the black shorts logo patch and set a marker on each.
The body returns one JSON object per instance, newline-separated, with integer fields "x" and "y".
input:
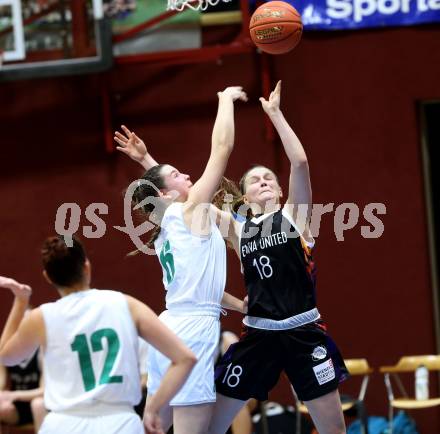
{"x": 319, "y": 353}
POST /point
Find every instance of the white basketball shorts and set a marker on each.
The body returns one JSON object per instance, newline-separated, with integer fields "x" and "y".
{"x": 201, "y": 334}
{"x": 119, "y": 423}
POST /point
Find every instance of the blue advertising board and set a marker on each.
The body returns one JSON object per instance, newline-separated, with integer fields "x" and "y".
{"x": 354, "y": 14}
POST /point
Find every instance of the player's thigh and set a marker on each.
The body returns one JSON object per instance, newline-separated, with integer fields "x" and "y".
{"x": 250, "y": 367}
{"x": 225, "y": 410}
{"x": 242, "y": 423}
{"x": 312, "y": 363}
{"x": 192, "y": 419}
{"x": 39, "y": 412}
{"x": 326, "y": 413}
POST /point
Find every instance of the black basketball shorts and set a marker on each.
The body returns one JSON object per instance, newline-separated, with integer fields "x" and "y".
{"x": 308, "y": 356}
{"x": 24, "y": 412}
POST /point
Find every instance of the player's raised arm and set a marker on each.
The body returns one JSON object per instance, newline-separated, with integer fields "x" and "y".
{"x": 300, "y": 190}
{"x": 222, "y": 143}
{"x": 21, "y": 336}
{"x": 130, "y": 144}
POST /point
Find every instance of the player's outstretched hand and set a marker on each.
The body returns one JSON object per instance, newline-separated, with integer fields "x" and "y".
{"x": 273, "y": 104}
{"x": 234, "y": 92}
{"x": 152, "y": 422}
{"x": 130, "y": 144}
{"x": 18, "y": 289}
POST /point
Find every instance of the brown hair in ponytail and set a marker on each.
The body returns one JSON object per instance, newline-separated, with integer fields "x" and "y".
{"x": 146, "y": 190}
{"x": 64, "y": 265}
{"x": 228, "y": 192}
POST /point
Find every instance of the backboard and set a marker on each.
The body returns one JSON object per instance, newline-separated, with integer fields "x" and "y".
{"x": 42, "y": 38}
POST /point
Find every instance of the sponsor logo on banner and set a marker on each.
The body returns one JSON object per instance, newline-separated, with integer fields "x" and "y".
{"x": 352, "y": 14}
{"x": 324, "y": 372}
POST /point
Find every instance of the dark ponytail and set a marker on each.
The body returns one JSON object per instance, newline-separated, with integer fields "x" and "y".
{"x": 64, "y": 265}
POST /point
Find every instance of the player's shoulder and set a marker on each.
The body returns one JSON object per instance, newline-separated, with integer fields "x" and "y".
{"x": 300, "y": 226}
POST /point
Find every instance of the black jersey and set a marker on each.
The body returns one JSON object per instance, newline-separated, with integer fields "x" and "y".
{"x": 26, "y": 375}
{"x": 278, "y": 268}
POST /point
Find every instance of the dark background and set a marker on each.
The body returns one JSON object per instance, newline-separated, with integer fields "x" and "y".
{"x": 351, "y": 97}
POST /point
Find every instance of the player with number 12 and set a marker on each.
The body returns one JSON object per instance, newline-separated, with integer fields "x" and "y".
{"x": 90, "y": 349}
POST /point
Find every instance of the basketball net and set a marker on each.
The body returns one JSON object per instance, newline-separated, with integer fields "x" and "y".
{"x": 197, "y": 5}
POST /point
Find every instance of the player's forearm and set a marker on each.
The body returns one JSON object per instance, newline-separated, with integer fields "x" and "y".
{"x": 232, "y": 303}
{"x": 223, "y": 132}
{"x": 148, "y": 162}
{"x": 292, "y": 145}
{"x": 171, "y": 383}
{"x": 15, "y": 316}
{"x": 27, "y": 395}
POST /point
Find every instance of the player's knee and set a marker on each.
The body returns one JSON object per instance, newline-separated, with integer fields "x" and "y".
{"x": 6, "y": 408}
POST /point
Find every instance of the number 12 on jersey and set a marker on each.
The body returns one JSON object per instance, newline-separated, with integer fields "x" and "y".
{"x": 81, "y": 346}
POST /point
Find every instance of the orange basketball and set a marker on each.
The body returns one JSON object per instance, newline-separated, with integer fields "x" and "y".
{"x": 276, "y": 27}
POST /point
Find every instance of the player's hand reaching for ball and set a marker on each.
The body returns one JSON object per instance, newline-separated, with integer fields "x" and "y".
{"x": 272, "y": 105}
{"x": 20, "y": 290}
{"x": 130, "y": 144}
{"x": 234, "y": 92}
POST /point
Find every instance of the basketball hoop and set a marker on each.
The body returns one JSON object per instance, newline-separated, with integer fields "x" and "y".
{"x": 197, "y": 5}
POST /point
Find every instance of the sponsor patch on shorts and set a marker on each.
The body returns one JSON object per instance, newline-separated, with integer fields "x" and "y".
{"x": 324, "y": 372}
{"x": 319, "y": 353}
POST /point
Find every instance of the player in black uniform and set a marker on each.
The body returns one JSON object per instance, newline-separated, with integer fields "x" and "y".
{"x": 283, "y": 330}
{"x": 24, "y": 383}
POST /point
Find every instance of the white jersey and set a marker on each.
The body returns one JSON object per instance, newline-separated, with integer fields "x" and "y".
{"x": 194, "y": 268}
{"x": 91, "y": 354}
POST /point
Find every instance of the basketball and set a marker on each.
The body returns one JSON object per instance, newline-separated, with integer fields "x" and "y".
{"x": 276, "y": 27}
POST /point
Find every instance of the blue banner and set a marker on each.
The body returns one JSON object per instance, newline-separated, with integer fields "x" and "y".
{"x": 355, "y": 14}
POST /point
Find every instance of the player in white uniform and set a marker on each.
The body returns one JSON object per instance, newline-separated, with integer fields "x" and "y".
{"x": 192, "y": 253}
{"x": 90, "y": 349}
{"x": 193, "y": 302}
